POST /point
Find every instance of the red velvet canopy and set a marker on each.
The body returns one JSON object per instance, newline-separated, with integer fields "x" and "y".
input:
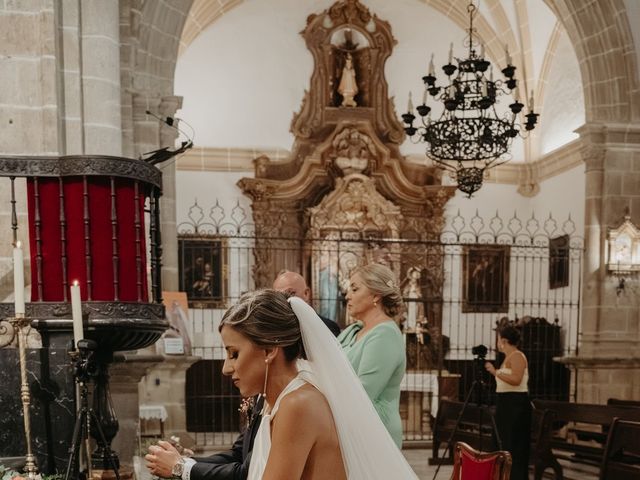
{"x": 89, "y": 229}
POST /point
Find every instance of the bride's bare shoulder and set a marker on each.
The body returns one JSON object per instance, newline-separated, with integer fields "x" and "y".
{"x": 306, "y": 399}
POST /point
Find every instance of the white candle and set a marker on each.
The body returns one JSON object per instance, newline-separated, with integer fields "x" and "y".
{"x": 531, "y": 101}
{"x": 506, "y": 54}
{"x": 451, "y": 54}
{"x": 432, "y": 69}
{"x": 76, "y": 312}
{"x": 482, "y": 50}
{"x": 517, "y": 94}
{"x": 424, "y": 97}
{"x": 484, "y": 87}
{"x": 410, "y": 104}
{"x": 18, "y": 279}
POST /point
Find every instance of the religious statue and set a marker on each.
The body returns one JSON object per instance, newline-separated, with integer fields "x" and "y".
{"x": 348, "y": 86}
{"x": 413, "y": 299}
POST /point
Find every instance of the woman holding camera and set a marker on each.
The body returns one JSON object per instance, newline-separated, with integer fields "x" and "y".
{"x": 513, "y": 407}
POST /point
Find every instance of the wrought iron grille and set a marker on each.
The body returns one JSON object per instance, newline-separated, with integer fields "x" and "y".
{"x": 457, "y": 288}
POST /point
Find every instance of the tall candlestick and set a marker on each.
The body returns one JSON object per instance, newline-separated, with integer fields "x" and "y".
{"x": 451, "y": 54}
{"x": 18, "y": 279}
{"x": 76, "y": 312}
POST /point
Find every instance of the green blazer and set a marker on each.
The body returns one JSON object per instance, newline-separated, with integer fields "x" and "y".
{"x": 379, "y": 359}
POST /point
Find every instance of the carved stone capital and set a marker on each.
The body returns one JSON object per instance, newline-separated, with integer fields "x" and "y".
{"x": 256, "y": 189}
{"x": 593, "y": 156}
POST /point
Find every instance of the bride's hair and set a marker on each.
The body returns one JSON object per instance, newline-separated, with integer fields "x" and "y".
{"x": 265, "y": 317}
{"x": 380, "y": 280}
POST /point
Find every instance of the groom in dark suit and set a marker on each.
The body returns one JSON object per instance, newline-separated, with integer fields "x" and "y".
{"x": 163, "y": 460}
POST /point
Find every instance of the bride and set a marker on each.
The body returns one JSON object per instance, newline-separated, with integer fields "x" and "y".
{"x": 318, "y": 422}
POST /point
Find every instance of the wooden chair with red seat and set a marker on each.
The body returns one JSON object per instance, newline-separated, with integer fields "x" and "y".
{"x": 471, "y": 464}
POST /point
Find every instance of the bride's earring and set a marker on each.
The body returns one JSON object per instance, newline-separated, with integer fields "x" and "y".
{"x": 266, "y": 376}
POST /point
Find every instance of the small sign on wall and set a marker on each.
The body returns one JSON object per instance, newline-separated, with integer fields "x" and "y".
{"x": 173, "y": 346}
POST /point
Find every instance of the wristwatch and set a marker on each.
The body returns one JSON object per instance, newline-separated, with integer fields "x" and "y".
{"x": 176, "y": 471}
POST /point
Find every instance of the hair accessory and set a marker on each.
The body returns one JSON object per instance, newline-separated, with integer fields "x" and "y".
{"x": 390, "y": 283}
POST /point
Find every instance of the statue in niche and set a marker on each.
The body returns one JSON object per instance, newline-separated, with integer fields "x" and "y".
{"x": 348, "y": 86}
{"x": 351, "y": 62}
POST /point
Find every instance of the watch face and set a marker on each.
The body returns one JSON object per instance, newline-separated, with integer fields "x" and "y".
{"x": 176, "y": 471}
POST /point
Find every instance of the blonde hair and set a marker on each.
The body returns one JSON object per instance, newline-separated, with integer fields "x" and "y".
{"x": 266, "y": 318}
{"x": 381, "y": 280}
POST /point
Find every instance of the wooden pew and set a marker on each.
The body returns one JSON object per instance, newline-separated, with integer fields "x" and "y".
{"x": 582, "y": 436}
{"x": 540, "y": 454}
{"x": 475, "y": 429}
{"x": 621, "y": 459}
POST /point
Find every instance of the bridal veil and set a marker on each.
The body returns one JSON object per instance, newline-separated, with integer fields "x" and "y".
{"x": 368, "y": 450}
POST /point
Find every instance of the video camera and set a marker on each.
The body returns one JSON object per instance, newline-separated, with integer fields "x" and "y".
{"x": 480, "y": 351}
{"x": 85, "y": 364}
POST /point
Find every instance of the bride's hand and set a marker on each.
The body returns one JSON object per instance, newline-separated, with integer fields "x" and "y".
{"x": 161, "y": 459}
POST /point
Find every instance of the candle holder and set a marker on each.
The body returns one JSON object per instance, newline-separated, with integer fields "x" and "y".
{"x": 19, "y": 322}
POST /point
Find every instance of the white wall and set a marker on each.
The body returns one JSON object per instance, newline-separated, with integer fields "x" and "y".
{"x": 244, "y": 76}
{"x": 498, "y": 211}
{"x": 563, "y": 106}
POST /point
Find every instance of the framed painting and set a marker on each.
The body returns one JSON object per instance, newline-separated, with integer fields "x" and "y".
{"x": 485, "y": 287}
{"x": 559, "y": 262}
{"x": 202, "y": 263}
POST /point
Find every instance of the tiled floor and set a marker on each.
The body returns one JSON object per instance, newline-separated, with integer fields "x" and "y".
{"x": 419, "y": 461}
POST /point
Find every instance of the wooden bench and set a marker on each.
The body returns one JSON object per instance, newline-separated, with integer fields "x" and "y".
{"x": 579, "y": 432}
{"x": 540, "y": 454}
{"x": 624, "y": 403}
{"x": 475, "y": 428}
{"x": 621, "y": 459}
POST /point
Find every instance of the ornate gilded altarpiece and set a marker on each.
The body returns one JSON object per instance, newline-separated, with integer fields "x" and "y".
{"x": 346, "y": 196}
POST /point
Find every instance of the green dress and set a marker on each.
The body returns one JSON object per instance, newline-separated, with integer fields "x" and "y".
{"x": 379, "y": 359}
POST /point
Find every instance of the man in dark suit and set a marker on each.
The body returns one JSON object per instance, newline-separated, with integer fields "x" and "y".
{"x": 165, "y": 461}
{"x": 294, "y": 283}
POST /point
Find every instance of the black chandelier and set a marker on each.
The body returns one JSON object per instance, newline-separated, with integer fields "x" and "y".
{"x": 470, "y": 136}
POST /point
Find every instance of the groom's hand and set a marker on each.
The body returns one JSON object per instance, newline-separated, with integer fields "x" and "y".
{"x": 161, "y": 459}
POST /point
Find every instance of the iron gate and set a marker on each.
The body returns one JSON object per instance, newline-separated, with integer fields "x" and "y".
{"x": 457, "y": 290}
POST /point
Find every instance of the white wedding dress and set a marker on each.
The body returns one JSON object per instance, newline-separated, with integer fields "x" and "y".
{"x": 368, "y": 451}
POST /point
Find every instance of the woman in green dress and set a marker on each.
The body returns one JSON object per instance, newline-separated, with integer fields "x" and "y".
{"x": 374, "y": 344}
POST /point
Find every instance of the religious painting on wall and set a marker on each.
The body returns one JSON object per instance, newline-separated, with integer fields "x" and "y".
{"x": 485, "y": 286}
{"x": 202, "y": 263}
{"x": 559, "y": 262}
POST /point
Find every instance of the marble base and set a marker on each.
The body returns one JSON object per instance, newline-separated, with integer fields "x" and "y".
{"x": 52, "y": 388}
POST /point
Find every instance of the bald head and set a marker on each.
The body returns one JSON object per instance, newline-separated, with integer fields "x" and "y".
{"x": 293, "y": 283}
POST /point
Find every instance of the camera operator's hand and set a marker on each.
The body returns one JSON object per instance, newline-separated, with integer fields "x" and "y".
{"x": 490, "y": 368}
{"x": 161, "y": 459}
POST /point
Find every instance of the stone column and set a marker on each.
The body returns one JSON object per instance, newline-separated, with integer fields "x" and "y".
{"x": 89, "y": 63}
{"x": 608, "y": 362}
{"x": 151, "y": 134}
{"x": 166, "y": 383}
{"x": 169, "y": 105}
{"x": 126, "y": 371}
